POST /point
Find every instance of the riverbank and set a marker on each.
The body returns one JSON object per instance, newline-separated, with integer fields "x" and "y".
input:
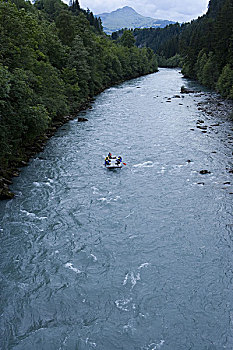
{"x": 213, "y": 105}
{"x": 167, "y": 251}
{"x": 217, "y": 106}
{"x": 27, "y": 153}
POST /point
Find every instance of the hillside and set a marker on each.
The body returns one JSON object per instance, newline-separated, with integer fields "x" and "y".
{"x": 127, "y": 17}
{"x": 53, "y": 59}
{"x": 202, "y": 47}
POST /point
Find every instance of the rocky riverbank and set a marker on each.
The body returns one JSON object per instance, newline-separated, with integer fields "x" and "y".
{"x": 213, "y": 105}
{"x": 13, "y": 170}
{"x": 216, "y": 106}
{"x": 28, "y": 152}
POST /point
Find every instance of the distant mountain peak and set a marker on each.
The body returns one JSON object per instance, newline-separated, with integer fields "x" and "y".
{"x": 126, "y": 8}
{"x": 127, "y": 17}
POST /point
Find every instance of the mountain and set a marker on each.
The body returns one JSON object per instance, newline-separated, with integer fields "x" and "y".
{"x": 127, "y": 17}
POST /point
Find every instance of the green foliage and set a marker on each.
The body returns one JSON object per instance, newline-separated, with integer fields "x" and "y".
{"x": 210, "y": 72}
{"x": 163, "y": 41}
{"x": 202, "y": 47}
{"x": 201, "y": 62}
{"x": 225, "y": 82}
{"x": 53, "y": 58}
{"x": 127, "y": 39}
{"x": 71, "y": 88}
{"x": 172, "y": 62}
{"x": 207, "y": 47}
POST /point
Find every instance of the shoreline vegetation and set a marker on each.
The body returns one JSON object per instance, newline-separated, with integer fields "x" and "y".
{"x": 54, "y": 59}
{"x": 203, "y": 48}
{"x": 27, "y": 152}
{"x": 215, "y": 106}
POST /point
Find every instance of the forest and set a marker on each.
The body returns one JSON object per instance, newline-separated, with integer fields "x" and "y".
{"x": 53, "y": 59}
{"x": 203, "y": 47}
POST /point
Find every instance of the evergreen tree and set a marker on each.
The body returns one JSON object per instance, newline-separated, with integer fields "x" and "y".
{"x": 127, "y": 39}
{"x": 225, "y": 82}
{"x": 53, "y": 58}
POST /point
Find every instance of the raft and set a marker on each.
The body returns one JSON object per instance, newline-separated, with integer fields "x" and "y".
{"x": 114, "y": 163}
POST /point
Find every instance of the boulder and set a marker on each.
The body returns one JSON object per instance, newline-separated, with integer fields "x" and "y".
{"x": 81, "y": 119}
{"x": 202, "y": 172}
{"x": 202, "y": 127}
{"x": 184, "y": 90}
{"x": 6, "y": 194}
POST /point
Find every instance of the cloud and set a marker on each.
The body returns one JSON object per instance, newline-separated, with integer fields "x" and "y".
{"x": 176, "y": 10}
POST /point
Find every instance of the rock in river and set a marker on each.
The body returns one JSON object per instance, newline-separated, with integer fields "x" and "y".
{"x": 205, "y": 172}
{"x": 81, "y": 119}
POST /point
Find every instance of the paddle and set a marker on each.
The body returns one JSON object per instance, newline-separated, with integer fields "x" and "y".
{"x": 124, "y": 163}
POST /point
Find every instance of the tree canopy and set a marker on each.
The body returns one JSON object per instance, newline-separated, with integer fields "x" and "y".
{"x": 53, "y": 58}
{"x": 203, "y": 47}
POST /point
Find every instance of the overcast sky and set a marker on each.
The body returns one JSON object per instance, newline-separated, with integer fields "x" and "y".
{"x": 176, "y": 10}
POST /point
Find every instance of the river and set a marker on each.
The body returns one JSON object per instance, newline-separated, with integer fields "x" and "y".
{"x": 140, "y": 258}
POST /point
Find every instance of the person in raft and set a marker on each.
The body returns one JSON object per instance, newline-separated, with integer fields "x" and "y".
{"x": 110, "y": 155}
{"x": 119, "y": 160}
{"x": 107, "y": 161}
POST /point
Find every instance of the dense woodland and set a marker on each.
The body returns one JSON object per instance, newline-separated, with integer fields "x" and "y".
{"x": 204, "y": 47}
{"x": 207, "y": 48}
{"x": 53, "y": 59}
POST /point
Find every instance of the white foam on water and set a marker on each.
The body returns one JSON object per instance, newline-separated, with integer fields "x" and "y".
{"x": 109, "y": 200}
{"x": 134, "y": 279}
{"x": 122, "y": 304}
{"x": 143, "y": 265}
{"x": 131, "y": 213}
{"x": 126, "y": 278}
{"x": 94, "y": 257}
{"x": 37, "y": 184}
{"x": 148, "y": 164}
{"x": 33, "y": 215}
{"x": 154, "y": 346}
{"x": 92, "y": 344}
{"x": 103, "y": 199}
{"x": 48, "y": 184}
{"x": 132, "y": 236}
{"x": 71, "y": 267}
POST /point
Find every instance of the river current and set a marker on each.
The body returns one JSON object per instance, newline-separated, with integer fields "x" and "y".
{"x": 140, "y": 258}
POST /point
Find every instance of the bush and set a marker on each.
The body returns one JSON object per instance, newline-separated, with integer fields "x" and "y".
{"x": 225, "y": 82}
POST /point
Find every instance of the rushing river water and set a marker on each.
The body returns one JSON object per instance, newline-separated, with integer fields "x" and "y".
{"x": 140, "y": 258}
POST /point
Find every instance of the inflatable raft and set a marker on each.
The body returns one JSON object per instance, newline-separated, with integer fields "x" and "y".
{"x": 113, "y": 162}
